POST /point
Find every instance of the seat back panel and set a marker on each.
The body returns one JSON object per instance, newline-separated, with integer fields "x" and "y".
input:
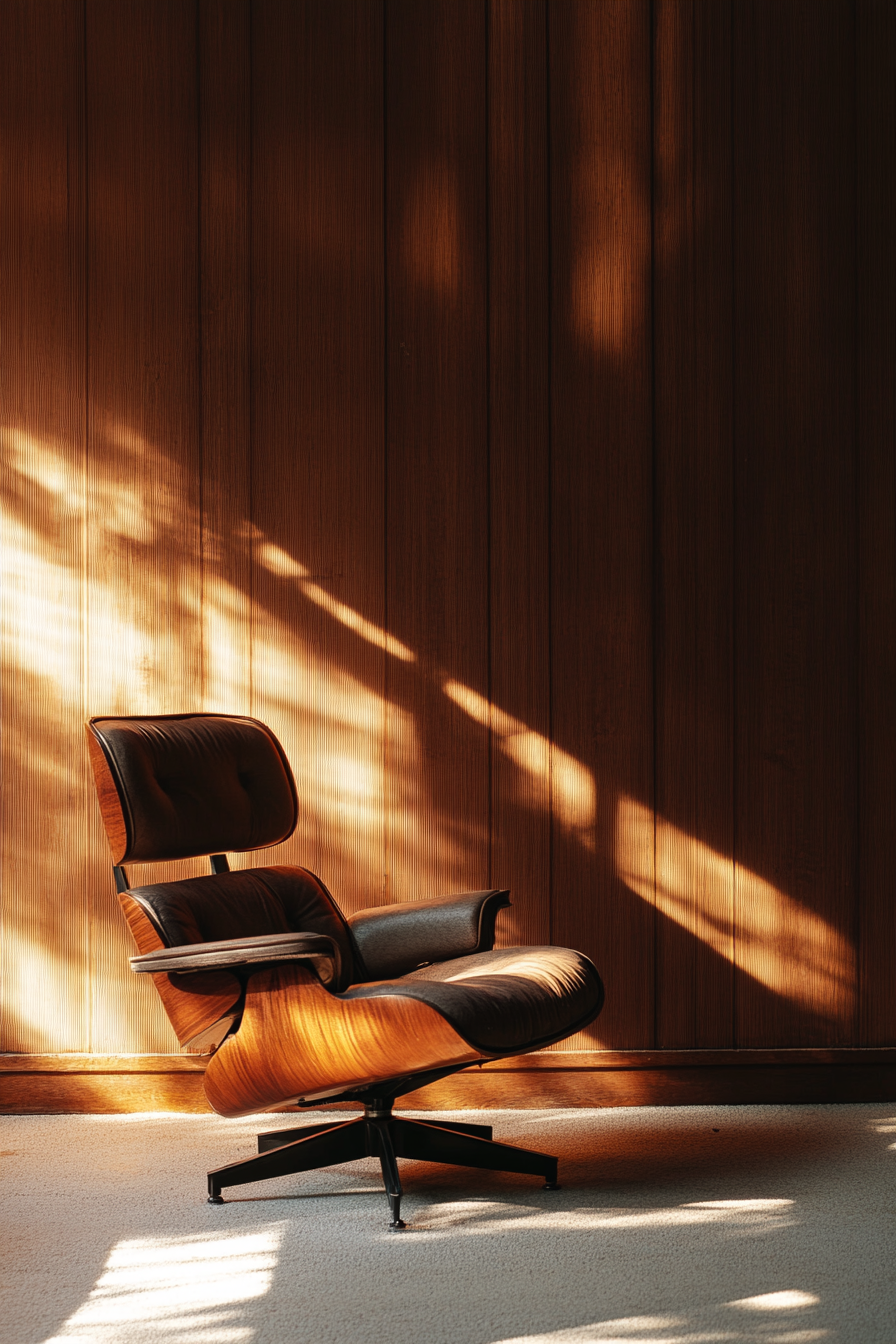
{"x": 181, "y": 785}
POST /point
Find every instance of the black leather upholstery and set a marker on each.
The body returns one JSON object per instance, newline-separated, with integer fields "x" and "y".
{"x": 248, "y": 903}
{"x": 395, "y": 939}
{"x": 517, "y": 998}
{"x": 196, "y": 784}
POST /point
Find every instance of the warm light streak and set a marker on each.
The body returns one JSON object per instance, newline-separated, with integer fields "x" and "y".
{"x": 786, "y": 1300}
{"x": 668, "y": 1330}
{"x": 750, "y": 1205}
{"x": 573, "y": 792}
{"x": 430, "y": 232}
{"x": 41, "y": 985}
{"x": 780, "y": 943}
{"x": 605, "y": 304}
{"x": 623, "y": 1330}
{"x": 348, "y": 617}
{"x": 550, "y": 977}
{"x": 493, "y": 1217}
{"x": 226, "y": 640}
{"x": 278, "y": 562}
{"x": 114, "y": 599}
{"x": 284, "y": 566}
{"x": 177, "y": 1289}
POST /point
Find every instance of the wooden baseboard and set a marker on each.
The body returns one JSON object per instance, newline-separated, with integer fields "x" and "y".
{"x": 116, "y": 1084}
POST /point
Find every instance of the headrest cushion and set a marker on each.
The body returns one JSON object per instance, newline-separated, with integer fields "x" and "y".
{"x": 176, "y": 786}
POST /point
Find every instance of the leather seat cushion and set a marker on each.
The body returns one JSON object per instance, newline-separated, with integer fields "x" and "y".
{"x": 511, "y": 999}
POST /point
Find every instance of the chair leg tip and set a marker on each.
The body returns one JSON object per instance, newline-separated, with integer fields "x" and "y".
{"x": 215, "y": 1199}
{"x": 552, "y": 1185}
{"x": 397, "y": 1225}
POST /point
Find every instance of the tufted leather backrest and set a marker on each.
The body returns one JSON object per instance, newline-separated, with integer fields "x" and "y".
{"x": 177, "y": 786}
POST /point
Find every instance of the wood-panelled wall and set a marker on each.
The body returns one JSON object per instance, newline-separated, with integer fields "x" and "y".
{"x": 497, "y": 398}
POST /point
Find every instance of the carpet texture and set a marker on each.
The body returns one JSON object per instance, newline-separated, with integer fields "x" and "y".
{"x": 674, "y": 1226}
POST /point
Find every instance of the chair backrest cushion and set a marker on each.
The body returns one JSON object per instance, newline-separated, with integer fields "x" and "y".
{"x": 245, "y": 904}
{"x": 176, "y": 786}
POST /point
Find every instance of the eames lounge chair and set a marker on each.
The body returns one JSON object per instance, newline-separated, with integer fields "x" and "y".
{"x": 296, "y": 1004}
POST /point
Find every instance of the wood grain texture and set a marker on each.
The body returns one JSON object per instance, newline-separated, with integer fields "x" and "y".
{"x": 519, "y": 465}
{"x": 601, "y": 522}
{"x": 324, "y": 1044}
{"x": 44, "y": 940}
{"x": 197, "y": 1006}
{"x": 437, "y": 409}
{"x": 327, "y": 395}
{"x": 79, "y": 1084}
{"x": 317, "y": 429}
{"x": 795, "y": 611}
{"x": 876, "y": 456}
{"x": 694, "y": 522}
{"x": 665, "y": 1084}
{"x": 108, "y": 798}
{"x": 144, "y": 569}
{"x": 225, "y": 115}
{"x": 73, "y": 1084}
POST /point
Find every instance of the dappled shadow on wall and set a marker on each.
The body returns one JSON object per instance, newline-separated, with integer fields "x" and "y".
{"x": 115, "y": 602}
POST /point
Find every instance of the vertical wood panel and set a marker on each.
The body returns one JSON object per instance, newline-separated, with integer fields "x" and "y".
{"x": 519, "y": 424}
{"x": 692, "y": 307}
{"x": 795, "y": 501}
{"x": 317, "y": 426}
{"x": 144, "y": 583}
{"x": 602, "y": 502}
{"x": 226, "y": 432}
{"x": 437, "y": 388}
{"x": 44, "y": 939}
{"x": 876, "y": 361}
{"x": 206, "y": 329}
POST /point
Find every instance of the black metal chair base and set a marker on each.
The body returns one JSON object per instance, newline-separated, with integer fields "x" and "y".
{"x": 378, "y": 1133}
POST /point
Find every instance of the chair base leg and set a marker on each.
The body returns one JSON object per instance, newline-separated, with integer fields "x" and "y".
{"x": 342, "y": 1142}
{"x": 378, "y": 1133}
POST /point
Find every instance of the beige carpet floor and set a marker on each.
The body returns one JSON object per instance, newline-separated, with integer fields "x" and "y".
{"x": 771, "y": 1224}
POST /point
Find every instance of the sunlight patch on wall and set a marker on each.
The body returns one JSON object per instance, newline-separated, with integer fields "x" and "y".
{"x": 226, "y": 647}
{"x": 430, "y": 231}
{"x": 178, "y": 1290}
{"x": 278, "y": 562}
{"x": 572, "y": 788}
{"x": 780, "y": 943}
{"x": 119, "y": 598}
{"x": 42, "y": 988}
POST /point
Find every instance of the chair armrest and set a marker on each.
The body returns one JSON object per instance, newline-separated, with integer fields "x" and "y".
{"x": 395, "y": 939}
{"x": 230, "y": 953}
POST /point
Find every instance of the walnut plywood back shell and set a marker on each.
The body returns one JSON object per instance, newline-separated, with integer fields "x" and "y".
{"x": 109, "y": 800}
{"x": 198, "y": 1004}
{"x": 298, "y": 1040}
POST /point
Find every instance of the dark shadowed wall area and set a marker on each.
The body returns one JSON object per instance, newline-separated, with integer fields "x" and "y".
{"x": 497, "y": 398}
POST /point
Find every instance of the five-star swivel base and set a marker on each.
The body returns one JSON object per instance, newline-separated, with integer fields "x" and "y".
{"x": 378, "y": 1133}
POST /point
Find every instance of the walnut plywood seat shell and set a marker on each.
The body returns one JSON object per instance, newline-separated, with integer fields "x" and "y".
{"x": 297, "y": 1004}
{"x": 327, "y": 1044}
